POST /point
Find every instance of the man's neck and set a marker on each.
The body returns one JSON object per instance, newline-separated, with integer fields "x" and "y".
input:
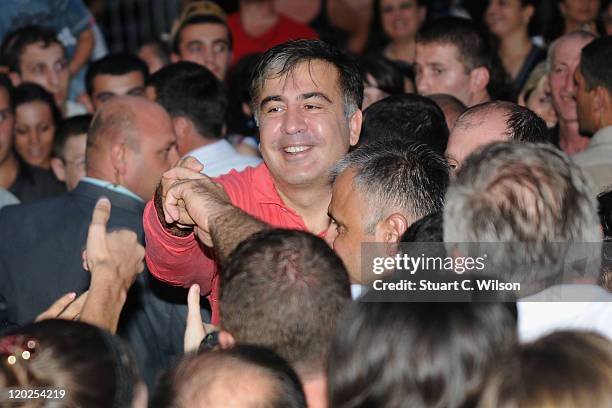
{"x": 515, "y": 44}
{"x": 196, "y": 141}
{"x": 309, "y": 202}
{"x": 478, "y": 98}
{"x": 570, "y": 140}
{"x": 257, "y": 17}
{"x": 8, "y": 171}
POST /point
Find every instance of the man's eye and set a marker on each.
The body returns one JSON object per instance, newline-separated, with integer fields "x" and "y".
{"x": 194, "y": 48}
{"x": 59, "y": 66}
{"x": 275, "y": 109}
{"x": 311, "y": 107}
{"x": 438, "y": 71}
{"x": 219, "y": 48}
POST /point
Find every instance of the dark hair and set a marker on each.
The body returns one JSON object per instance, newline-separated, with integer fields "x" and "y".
{"x": 431, "y": 354}
{"x": 7, "y": 85}
{"x": 430, "y": 228}
{"x": 16, "y": 41}
{"x": 522, "y": 124}
{"x": 594, "y": 63}
{"x": 392, "y": 174}
{"x": 200, "y": 19}
{"x": 95, "y": 368}
{"x": 238, "y": 88}
{"x": 388, "y": 77}
{"x": 564, "y": 369}
{"x": 284, "y": 58}
{"x": 120, "y": 63}
{"x": 406, "y": 117}
{"x": 191, "y": 90}
{"x": 29, "y": 92}
{"x": 195, "y": 376}
{"x": 473, "y": 50}
{"x": 448, "y": 102}
{"x": 69, "y": 127}
{"x": 290, "y": 268}
{"x": 605, "y": 213}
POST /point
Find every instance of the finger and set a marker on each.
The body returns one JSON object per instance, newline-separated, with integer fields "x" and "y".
{"x": 174, "y": 198}
{"x": 84, "y": 259}
{"x": 182, "y": 173}
{"x": 73, "y": 310}
{"x": 57, "y": 307}
{"x": 194, "y": 330}
{"x": 97, "y": 228}
{"x": 192, "y": 163}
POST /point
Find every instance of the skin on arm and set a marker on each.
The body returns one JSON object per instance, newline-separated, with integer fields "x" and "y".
{"x": 82, "y": 53}
{"x": 68, "y": 307}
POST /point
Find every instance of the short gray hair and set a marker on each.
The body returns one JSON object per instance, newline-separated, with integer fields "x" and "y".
{"x": 395, "y": 176}
{"x": 522, "y": 193}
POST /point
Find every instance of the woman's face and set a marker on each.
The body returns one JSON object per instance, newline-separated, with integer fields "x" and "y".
{"x": 540, "y": 102}
{"x": 34, "y": 132}
{"x": 401, "y": 19}
{"x": 507, "y": 16}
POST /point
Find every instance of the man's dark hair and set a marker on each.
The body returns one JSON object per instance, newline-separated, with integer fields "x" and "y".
{"x": 522, "y": 124}
{"x": 394, "y": 354}
{"x": 29, "y": 92}
{"x": 7, "y": 85}
{"x": 200, "y": 19}
{"x": 68, "y": 128}
{"x": 430, "y": 228}
{"x": 194, "y": 378}
{"x": 394, "y": 175}
{"x": 595, "y": 63}
{"x": 284, "y": 289}
{"x": 191, "y": 90}
{"x": 115, "y": 64}
{"x": 407, "y": 117}
{"x": 473, "y": 50}
{"x": 284, "y": 58}
{"x": 387, "y": 75}
{"x": 16, "y": 41}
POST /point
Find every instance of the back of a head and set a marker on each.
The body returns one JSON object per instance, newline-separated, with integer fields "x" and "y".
{"x": 192, "y": 91}
{"x": 290, "y": 268}
{"x": 565, "y": 369}
{"x": 450, "y": 105}
{"x": 92, "y": 367}
{"x": 395, "y": 176}
{"x": 243, "y": 376}
{"x": 594, "y": 63}
{"x": 529, "y": 194}
{"x": 16, "y": 41}
{"x": 115, "y": 64}
{"x": 408, "y": 117}
{"x": 522, "y": 124}
{"x": 392, "y": 355}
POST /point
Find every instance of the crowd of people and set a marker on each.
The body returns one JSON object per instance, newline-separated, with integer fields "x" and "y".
{"x": 276, "y": 208}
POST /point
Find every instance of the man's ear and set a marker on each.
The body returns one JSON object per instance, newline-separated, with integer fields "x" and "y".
{"x": 528, "y": 13}
{"x": 479, "y": 79}
{"x": 118, "y": 158}
{"x": 182, "y": 128}
{"x": 58, "y": 169}
{"x": 226, "y": 340}
{"x": 355, "y": 126}
{"x": 15, "y": 78}
{"x": 86, "y": 101}
{"x": 422, "y": 14}
{"x": 391, "y": 229}
{"x": 174, "y": 57}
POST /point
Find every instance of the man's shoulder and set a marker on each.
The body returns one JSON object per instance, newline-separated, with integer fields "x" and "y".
{"x": 244, "y": 187}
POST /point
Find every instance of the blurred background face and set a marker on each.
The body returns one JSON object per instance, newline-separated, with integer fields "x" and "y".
{"x": 74, "y": 160}
{"x": 579, "y": 11}
{"x": 371, "y": 92}
{"x": 6, "y": 126}
{"x": 540, "y": 102}
{"x": 401, "y": 19}
{"x": 34, "y": 132}
{"x": 208, "y": 45}
{"x": 506, "y": 16}
{"x": 561, "y": 77}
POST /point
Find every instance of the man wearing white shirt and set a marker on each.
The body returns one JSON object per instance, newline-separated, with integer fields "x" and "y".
{"x": 535, "y": 207}
{"x": 197, "y": 102}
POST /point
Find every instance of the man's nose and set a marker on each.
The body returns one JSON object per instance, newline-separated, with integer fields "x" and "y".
{"x": 293, "y": 121}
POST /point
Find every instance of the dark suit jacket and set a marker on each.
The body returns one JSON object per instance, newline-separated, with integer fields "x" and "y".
{"x": 40, "y": 260}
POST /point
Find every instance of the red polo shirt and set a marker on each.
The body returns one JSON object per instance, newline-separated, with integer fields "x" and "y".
{"x": 183, "y": 261}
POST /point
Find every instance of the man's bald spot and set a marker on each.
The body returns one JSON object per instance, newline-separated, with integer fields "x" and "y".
{"x": 114, "y": 120}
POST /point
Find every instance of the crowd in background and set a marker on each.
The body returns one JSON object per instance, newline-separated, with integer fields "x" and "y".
{"x": 193, "y": 193}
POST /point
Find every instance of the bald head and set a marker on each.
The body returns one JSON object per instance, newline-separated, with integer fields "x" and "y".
{"x": 497, "y": 121}
{"x": 131, "y": 142}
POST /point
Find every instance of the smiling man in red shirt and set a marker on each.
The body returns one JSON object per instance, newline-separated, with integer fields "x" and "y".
{"x": 306, "y": 98}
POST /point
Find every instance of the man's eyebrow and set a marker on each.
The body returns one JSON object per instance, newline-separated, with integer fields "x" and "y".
{"x": 194, "y": 42}
{"x": 268, "y": 99}
{"x": 318, "y": 95}
{"x": 104, "y": 94}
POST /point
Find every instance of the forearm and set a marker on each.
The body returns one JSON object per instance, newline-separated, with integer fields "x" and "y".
{"x": 229, "y": 228}
{"x": 82, "y": 52}
{"x": 105, "y": 300}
